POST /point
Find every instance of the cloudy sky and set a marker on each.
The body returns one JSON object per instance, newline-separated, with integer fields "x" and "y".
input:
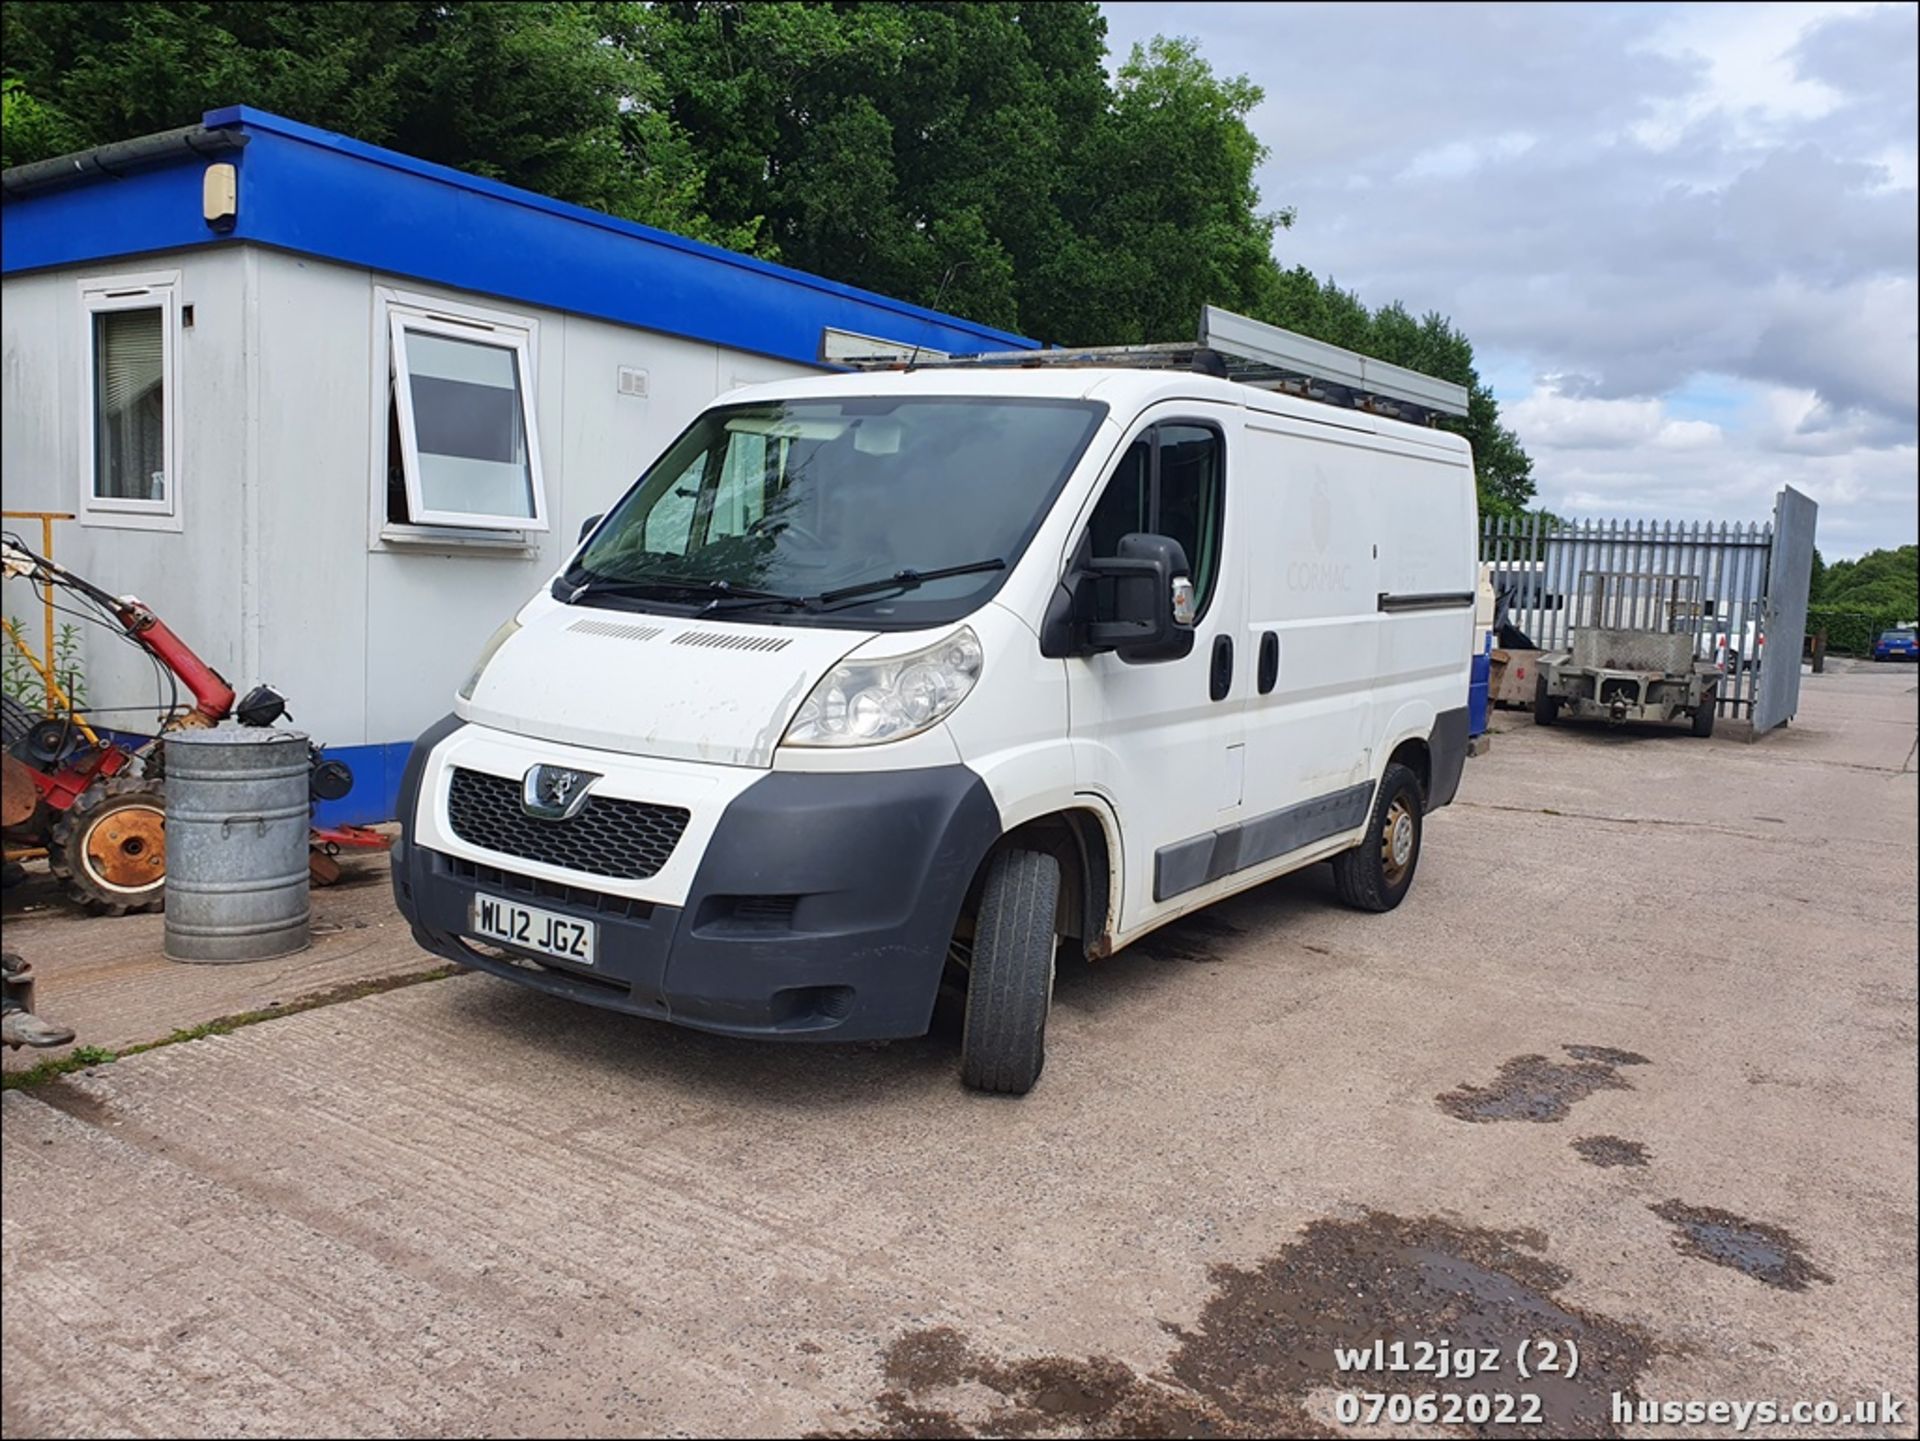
{"x": 1682, "y": 238}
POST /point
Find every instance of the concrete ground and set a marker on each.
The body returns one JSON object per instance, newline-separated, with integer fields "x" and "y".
{"x": 1276, "y": 1128}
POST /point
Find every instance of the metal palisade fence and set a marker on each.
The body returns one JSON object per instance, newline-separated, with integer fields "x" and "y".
{"x": 1538, "y": 562}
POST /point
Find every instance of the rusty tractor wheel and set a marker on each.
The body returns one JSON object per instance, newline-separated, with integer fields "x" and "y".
{"x": 111, "y": 847}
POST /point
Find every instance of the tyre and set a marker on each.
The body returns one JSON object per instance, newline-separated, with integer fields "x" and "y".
{"x": 1376, "y": 874}
{"x": 1010, "y": 980}
{"x": 110, "y": 847}
{"x": 15, "y": 721}
{"x": 1546, "y": 708}
{"x": 1703, "y": 714}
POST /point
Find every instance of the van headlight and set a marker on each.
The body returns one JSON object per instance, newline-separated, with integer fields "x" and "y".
{"x": 494, "y": 642}
{"x": 864, "y": 702}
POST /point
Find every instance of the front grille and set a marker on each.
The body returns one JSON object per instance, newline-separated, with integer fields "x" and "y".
{"x": 627, "y": 840}
{"x": 622, "y": 908}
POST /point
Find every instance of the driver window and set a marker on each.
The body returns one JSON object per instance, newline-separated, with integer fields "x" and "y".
{"x": 1168, "y": 483}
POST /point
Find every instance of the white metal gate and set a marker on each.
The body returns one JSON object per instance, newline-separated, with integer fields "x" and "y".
{"x": 1789, "y": 573}
{"x": 1752, "y": 588}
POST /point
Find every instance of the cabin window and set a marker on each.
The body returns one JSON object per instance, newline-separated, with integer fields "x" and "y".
{"x": 462, "y": 447}
{"x": 128, "y": 450}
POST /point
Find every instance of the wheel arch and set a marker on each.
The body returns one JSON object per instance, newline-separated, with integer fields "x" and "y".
{"x": 1080, "y": 838}
{"x": 1407, "y": 741}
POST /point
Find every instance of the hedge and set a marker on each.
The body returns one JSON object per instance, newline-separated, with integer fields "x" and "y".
{"x": 1850, "y": 632}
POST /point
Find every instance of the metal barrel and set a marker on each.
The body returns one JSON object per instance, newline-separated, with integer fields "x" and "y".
{"x": 237, "y": 880}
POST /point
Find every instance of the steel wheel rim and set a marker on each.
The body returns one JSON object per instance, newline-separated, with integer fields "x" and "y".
{"x": 1398, "y": 838}
{"x": 123, "y": 845}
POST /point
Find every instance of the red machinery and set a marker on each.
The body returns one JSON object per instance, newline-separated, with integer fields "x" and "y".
{"x": 98, "y": 806}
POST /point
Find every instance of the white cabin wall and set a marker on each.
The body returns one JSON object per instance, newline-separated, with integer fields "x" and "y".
{"x": 191, "y": 577}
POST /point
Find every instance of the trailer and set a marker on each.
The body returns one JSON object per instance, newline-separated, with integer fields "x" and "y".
{"x": 1631, "y": 656}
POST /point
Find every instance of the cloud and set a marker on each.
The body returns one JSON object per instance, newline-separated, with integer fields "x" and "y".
{"x": 1611, "y": 458}
{"x": 1550, "y": 417}
{"x": 1624, "y": 199}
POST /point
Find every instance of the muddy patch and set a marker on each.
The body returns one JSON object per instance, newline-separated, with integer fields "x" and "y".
{"x": 1535, "y": 1088}
{"x": 1610, "y": 1151}
{"x": 83, "y": 1105}
{"x": 1269, "y": 1336}
{"x": 1607, "y": 1055}
{"x": 1198, "y": 937}
{"x": 1770, "y": 1254}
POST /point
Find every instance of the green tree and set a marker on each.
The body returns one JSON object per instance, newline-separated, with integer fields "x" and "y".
{"x": 1880, "y": 582}
{"x": 29, "y": 128}
{"x": 973, "y": 156}
{"x": 1161, "y": 210}
{"x": 527, "y": 93}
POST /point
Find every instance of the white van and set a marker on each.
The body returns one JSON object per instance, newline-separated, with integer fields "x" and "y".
{"x": 883, "y": 679}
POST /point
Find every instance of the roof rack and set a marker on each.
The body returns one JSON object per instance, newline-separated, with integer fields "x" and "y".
{"x": 1240, "y": 349}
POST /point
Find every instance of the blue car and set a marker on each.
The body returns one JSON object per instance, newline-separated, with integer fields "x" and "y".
{"x": 1901, "y": 644}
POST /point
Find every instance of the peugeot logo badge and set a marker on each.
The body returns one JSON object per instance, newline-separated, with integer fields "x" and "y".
{"x": 555, "y": 793}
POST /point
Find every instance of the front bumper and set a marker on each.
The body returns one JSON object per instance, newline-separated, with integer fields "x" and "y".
{"x": 820, "y": 908}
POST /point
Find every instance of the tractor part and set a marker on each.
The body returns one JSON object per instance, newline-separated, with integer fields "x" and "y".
{"x": 328, "y": 780}
{"x": 110, "y": 847}
{"x": 261, "y": 706}
{"x": 212, "y": 696}
{"x": 15, "y": 722}
{"x": 326, "y": 842}
{"x": 19, "y": 797}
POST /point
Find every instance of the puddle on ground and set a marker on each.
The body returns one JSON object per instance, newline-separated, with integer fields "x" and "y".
{"x": 1770, "y": 1254}
{"x": 1266, "y": 1340}
{"x": 1610, "y": 1151}
{"x": 1534, "y": 1088}
{"x": 1197, "y": 937}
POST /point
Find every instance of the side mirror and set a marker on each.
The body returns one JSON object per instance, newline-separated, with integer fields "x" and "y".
{"x": 1143, "y": 600}
{"x": 587, "y": 525}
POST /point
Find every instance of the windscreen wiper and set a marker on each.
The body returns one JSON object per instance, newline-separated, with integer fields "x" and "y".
{"x": 907, "y": 579}
{"x": 664, "y": 588}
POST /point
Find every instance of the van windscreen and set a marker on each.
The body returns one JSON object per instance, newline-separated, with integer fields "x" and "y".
{"x": 773, "y": 507}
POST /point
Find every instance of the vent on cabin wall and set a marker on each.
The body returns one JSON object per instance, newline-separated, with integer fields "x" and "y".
{"x": 633, "y": 382}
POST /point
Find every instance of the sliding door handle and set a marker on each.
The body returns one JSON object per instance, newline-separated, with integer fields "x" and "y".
{"x": 1220, "y": 673}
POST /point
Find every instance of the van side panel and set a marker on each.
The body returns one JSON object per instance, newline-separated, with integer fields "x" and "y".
{"x": 1425, "y": 518}
{"x": 1307, "y": 509}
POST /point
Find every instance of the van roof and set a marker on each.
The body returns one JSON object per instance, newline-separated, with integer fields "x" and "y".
{"x": 1126, "y": 391}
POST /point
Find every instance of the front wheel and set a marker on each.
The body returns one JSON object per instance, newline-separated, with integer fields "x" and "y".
{"x": 1010, "y": 983}
{"x": 1376, "y": 874}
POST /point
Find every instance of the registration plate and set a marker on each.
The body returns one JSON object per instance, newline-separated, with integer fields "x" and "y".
{"x": 532, "y": 929}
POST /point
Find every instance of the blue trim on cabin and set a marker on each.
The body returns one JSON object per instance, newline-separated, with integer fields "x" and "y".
{"x": 316, "y": 193}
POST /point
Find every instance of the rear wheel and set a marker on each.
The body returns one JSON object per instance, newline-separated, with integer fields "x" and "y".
{"x": 1010, "y": 974}
{"x": 1546, "y": 707}
{"x": 1703, "y": 714}
{"x": 110, "y": 847}
{"x": 1376, "y": 874}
